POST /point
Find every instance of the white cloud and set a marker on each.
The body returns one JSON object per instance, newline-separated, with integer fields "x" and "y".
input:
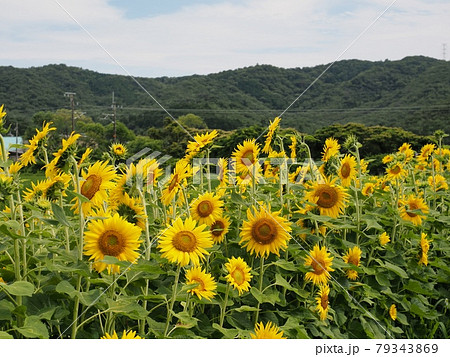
{"x": 210, "y": 38}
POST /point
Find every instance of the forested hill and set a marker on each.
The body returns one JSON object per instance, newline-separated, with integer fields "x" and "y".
{"x": 412, "y": 93}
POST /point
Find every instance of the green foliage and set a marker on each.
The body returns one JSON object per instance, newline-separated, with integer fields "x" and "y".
{"x": 411, "y": 93}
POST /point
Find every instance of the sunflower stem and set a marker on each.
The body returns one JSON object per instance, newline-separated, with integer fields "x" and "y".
{"x": 224, "y": 307}
{"x": 172, "y": 301}
{"x": 260, "y": 284}
{"x": 142, "y": 322}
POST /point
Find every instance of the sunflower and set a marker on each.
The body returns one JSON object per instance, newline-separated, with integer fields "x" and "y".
{"x": 322, "y": 301}
{"x": 238, "y": 274}
{"x": 329, "y": 198}
{"x": 406, "y": 151}
{"x": 113, "y": 236}
{"x": 269, "y": 136}
{"x": 183, "y": 242}
{"x": 424, "y": 248}
{"x": 330, "y": 149}
{"x": 387, "y": 159}
{"x": 205, "y": 283}
{"x": 437, "y": 183}
{"x": 131, "y": 335}
{"x": 265, "y": 232}
{"x": 293, "y": 147}
{"x": 279, "y": 161}
{"x": 368, "y": 189}
{"x": 200, "y": 141}
{"x": 270, "y": 331}
{"x": 2, "y": 115}
{"x": 14, "y": 167}
{"x": 131, "y": 209}
{"x": 2, "y": 281}
{"x": 321, "y": 262}
{"x": 84, "y": 156}
{"x": 118, "y": 150}
{"x": 98, "y": 179}
{"x": 207, "y": 208}
{"x": 307, "y": 223}
{"x": 347, "y": 170}
{"x": 219, "y": 229}
{"x": 353, "y": 256}
{"x": 43, "y": 133}
{"x": 413, "y": 209}
{"x": 36, "y": 191}
{"x": 396, "y": 171}
{"x": 28, "y": 157}
{"x": 426, "y": 151}
{"x": 246, "y": 156}
{"x": 180, "y": 173}
{"x": 222, "y": 172}
{"x": 384, "y": 238}
{"x": 393, "y": 312}
{"x": 66, "y": 145}
{"x": 56, "y": 186}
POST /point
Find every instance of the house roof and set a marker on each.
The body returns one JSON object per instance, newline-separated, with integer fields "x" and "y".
{"x": 12, "y": 140}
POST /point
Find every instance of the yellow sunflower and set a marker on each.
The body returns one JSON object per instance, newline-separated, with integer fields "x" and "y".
{"x": 293, "y": 147}
{"x": 66, "y": 144}
{"x": 238, "y": 274}
{"x": 28, "y": 157}
{"x": 368, "y": 189}
{"x": 131, "y": 209}
{"x": 396, "y": 171}
{"x": 183, "y": 242}
{"x": 56, "y": 186}
{"x": 98, "y": 179}
{"x": 219, "y": 229}
{"x": 330, "y": 149}
{"x": 437, "y": 183}
{"x": 118, "y": 150}
{"x": 222, "y": 172}
{"x": 15, "y": 167}
{"x": 206, "y": 284}
{"x": 36, "y": 191}
{"x": 265, "y": 232}
{"x": 200, "y": 141}
{"x": 353, "y": 256}
{"x": 406, "y": 151}
{"x": 130, "y": 335}
{"x": 85, "y": 156}
{"x": 320, "y": 261}
{"x": 426, "y": 151}
{"x": 413, "y": 209}
{"x": 387, "y": 159}
{"x": 207, "y": 208}
{"x": 246, "y": 156}
{"x": 322, "y": 301}
{"x": 393, "y": 312}
{"x": 2, "y": 281}
{"x": 384, "y": 238}
{"x": 269, "y": 136}
{"x": 347, "y": 170}
{"x": 270, "y": 331}
{"x": 113, "y": 236}
{"x": 180, "y": 173}
{"x": 41, "y": 134}
{"x": 329, "y": 198}
{"x": 2, "y": 115}
{"x": 424, "y": 248}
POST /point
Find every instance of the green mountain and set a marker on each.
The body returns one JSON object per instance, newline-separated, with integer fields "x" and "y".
{"x": 412, "y": 93}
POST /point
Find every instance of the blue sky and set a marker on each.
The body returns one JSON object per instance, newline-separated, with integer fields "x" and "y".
{"x": 174, "y": 38}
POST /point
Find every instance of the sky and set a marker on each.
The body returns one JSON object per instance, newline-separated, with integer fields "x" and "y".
{"x": 155, "y": 38}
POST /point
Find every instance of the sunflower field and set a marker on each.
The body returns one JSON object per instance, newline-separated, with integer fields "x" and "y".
{"x": 267, "y": 243}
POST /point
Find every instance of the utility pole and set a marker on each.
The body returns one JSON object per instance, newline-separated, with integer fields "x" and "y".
{"x": 114, "y": 106}
{"x": 72, "y": 104}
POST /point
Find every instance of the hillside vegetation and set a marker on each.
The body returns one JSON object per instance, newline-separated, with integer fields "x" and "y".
{"x": 412, "y": 93}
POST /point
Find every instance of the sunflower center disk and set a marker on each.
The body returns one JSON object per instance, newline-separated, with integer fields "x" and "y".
{"x": 217, "y": 228}
{"x": 173, "y": 182}
{"x": 318, "y": 266}
{"x": 327, "y": 197}
{"x": 264, "y": 231}
{"x": 111, "y": 243}
{"x": 396, "y": 170}
{"x": 248, "y": 158}
{"x": 91, "y": 186}
{"x": 238, "y": 276}
{"x": 205, "y": 208}
{"x": 201, "y": 285}
{"x": 324, "y": 301}
{"x": 412, "y": 207}
{"x": 345, "y": 170}
{"x": 184, "y": 241}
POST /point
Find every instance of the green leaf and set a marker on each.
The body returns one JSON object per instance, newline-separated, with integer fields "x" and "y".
{"x": 4, "y": 229}
{"x": 286, "y": 265}
{"x": 19, "y": 288}
{"x": 245, "y": 308}
{"x": 6, "y": 308}
{"x": 5, "y": 336}
{"x": 33, "y": 328}
{"x": 402, "y": 318}
{"x": 127, "y": 307}
{"x": 382, "y": 279}
{"x": 415, "y": 286}
{"x": 64, "y": 287}
{"x": 227, "y": 333}
{"x": 185, "y": 321}
{"x": 60, "y": 215}
{"x": 270, "y": 296}
{"x": 71, "y": 195}
{"x": 397, "y": 270}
